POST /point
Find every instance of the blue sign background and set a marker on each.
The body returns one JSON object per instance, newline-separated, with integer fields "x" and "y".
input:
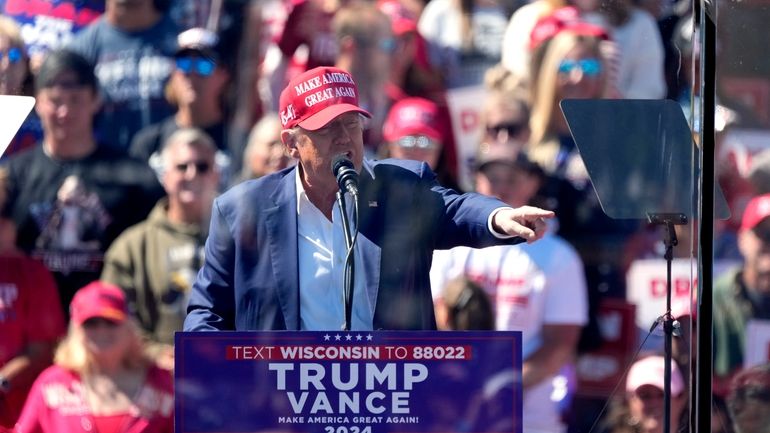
{"x": 241, "y": 394}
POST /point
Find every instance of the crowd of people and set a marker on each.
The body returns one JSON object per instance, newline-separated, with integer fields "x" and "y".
{"x": 147, "y": 111}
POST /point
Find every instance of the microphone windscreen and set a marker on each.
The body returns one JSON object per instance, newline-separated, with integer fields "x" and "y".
{"x": 340, "y": 161}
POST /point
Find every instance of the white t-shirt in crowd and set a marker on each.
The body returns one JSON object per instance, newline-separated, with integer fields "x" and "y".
{"x": 440, "y": 25}
{"x": 531, "y": 285}
{"x": 640, "y": 67}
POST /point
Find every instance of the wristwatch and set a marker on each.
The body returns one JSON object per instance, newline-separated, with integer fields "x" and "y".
{"x": 5, "y": 384}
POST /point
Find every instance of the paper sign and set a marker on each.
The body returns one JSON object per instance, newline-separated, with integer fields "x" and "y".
{"x": 13, "y": 111}
{"x": 348, "y": 382}
{"x": 466, "y": 106}
{"x": 757, "y": 343}
{"x": 646, "y": 287}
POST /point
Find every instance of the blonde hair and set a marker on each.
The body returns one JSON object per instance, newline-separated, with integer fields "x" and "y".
{"x": 73, "y": 355}
{"x": 506, "y": 89}
{"x": 545, "y": 72}
{"x": 501, "y": 80}
{"x": 11, "y": 30}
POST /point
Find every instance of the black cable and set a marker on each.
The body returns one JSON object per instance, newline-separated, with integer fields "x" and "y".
{"x": 350, "y": 241}
{"x": 349, "y": 265}
{"x": 625, "y": 372}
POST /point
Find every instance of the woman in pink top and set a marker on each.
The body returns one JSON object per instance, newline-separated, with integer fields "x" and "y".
{"x": 101, "y": 380}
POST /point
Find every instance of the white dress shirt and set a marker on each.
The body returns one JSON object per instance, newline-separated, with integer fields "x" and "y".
{"x": 322, "y": 253}
{"x": 322, "y": 250}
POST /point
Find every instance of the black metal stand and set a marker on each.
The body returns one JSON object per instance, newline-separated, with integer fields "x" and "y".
{"x": 350, "y": 240}
{"x": 670, "y": 325}
{"x": 705, "y": 15}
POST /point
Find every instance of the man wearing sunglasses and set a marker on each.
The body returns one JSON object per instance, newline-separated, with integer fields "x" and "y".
{"x": 156, "y": 261}
{"x": 274, "y": 255}
{"x": 201, "y": 76}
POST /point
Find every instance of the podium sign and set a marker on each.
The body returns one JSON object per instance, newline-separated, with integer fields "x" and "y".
{"x": 348, "y": 382}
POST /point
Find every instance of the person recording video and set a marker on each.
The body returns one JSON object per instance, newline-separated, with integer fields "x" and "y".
{"x": 275, "y": 255}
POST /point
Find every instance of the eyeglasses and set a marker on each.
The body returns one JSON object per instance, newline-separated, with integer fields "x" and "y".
{"x": 513, "y": 129}
{"x": 416, "y": 141}
{"x": 590, "y": 67}
{"x": 201, "y": 167}
{"x": 13, "y": 53}
{"x": 203, "y": 67}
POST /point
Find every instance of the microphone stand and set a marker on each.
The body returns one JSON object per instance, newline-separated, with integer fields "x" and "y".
{"x": 670, "y": 325}
{"x": 350, "y": 241}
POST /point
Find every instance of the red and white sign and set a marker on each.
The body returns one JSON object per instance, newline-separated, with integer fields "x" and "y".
{"x": 465, "y": 108}
{"x": 646, "y": 287}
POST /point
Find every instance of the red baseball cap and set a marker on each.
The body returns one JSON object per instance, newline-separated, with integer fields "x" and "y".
{"x": 756, "y": 211}
{"x": 563, "y": 19}
{"x": 412, "y": 116}
{"x": 401, "y": 19}
{"x": 315, "y": 97}
{"x": 98, "y": 299}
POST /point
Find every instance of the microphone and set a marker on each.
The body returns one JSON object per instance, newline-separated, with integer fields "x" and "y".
{"x": 345, "y": 172}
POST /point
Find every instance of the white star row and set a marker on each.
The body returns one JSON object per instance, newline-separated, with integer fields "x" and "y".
{"x": 348, "y": 337}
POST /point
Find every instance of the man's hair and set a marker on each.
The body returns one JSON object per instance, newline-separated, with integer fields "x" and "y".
{"x": 356, "y": 20}
{"x": 194, "y": 137}
{"x": 468, "y": 305}
{"x": 750, "y": 387}
{"x": 262, "y": 129}
{"x": 61, "y": 61}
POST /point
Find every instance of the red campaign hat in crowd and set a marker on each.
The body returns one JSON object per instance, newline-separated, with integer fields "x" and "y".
{"x": 315, "y": 97}
{"x": 756, "y": 211}
{"x": 413, "y": 116}
{"x": 563, "y": 19}
{"x": 401, "y": 19}
{"x": 99, "y": 299}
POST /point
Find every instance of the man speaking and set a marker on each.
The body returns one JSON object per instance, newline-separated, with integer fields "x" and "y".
{"x": 276, "y": 251}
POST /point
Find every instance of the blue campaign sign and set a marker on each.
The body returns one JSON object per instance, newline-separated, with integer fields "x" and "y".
{"x": 348, "y": 382}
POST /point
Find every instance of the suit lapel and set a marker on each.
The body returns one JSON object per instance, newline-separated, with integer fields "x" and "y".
{"x": 370, "y": 262}
{"x": 281, "y": 223}
{"x": 371, "y": 253}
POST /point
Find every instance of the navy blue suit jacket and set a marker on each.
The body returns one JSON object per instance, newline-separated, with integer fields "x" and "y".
{"x": 250, "y": 279}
